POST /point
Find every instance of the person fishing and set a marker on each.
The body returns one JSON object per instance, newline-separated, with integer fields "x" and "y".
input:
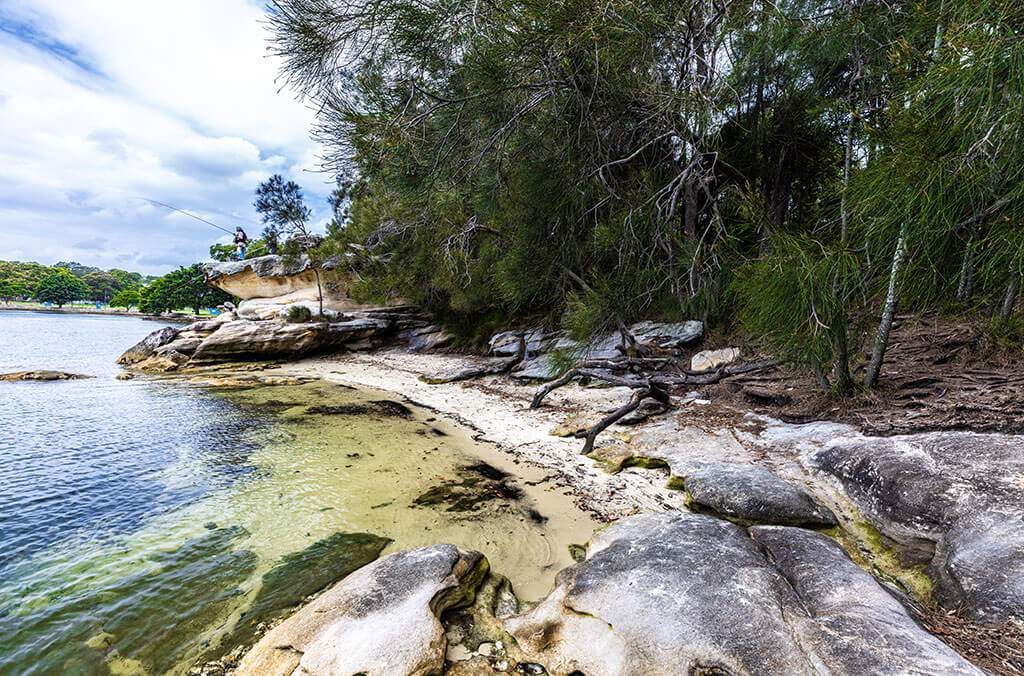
{"x": 241, "y": 240}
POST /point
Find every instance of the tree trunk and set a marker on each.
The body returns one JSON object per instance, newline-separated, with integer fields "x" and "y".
{"x": 844, "y": 381}
{"x": 1012, "y": 289}
{"x": 846, "y": 181}
{"x": 964, "y": 288}
{"x": 889, "y": 311}
{"x": 819, "y": 375}
{"x": 319, "y": 290}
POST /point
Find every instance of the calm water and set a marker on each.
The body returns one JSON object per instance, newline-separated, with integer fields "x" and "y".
{"x": 140, "y": 519}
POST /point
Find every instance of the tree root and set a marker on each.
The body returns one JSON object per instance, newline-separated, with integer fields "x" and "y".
{"x": 643, "y": 386}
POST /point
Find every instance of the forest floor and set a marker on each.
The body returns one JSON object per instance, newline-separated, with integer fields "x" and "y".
{"x": 938, "y": 375}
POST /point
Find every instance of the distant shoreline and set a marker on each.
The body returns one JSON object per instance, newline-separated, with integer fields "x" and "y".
{"x": 185, "y": 319}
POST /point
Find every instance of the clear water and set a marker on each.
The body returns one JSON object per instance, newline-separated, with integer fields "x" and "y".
{"x": 139, "y": 518}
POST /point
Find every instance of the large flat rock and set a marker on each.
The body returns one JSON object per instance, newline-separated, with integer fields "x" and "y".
{"x": 381, "y": 620}
{"x": 754, "y": 494}
{"x": 953, "y": 499}
{"x": 244, "y": 339}
{"x": 692, "y": 594}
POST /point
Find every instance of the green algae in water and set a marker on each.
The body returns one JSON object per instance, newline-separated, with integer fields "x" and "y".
{"x": 312, "y": 477}
{"x": 144, "y": 623}
{"x": 300, "y": 575}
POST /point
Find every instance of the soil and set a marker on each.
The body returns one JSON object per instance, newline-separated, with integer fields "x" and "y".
{"x": 938, "y": 375}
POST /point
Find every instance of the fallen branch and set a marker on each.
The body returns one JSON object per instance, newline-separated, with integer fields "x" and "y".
{"x": 639, "y": 394}
{"x": 655, "y": 387}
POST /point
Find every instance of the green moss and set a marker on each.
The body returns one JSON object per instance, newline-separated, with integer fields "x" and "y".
{"x": 873, "y": 551}
{"x": 676, "y": 483}
{"x": 578, "y": 553}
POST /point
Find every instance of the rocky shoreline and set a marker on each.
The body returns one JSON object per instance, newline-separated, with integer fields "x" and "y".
{"x": 740, "y": 544}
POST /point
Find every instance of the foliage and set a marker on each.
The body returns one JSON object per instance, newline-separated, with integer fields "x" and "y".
{"x": 127, "y": 298}
{"x": 182, "y": 288}
{"x": 60, "y": 287}
{"x": 298, "y": 314}
{"x": 805, "y": 165}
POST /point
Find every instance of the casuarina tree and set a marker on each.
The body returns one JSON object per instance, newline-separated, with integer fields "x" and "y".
{"x": 286, "y": 215}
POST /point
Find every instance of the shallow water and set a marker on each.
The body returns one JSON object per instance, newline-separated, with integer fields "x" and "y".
{"x": 138, "y": 519}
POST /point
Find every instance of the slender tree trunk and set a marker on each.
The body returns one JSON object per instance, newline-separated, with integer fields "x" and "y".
{"x": 1012, "y": 289}
{"x": 319, "y": 290}
{"x": 965, "y": 287}
{"x": 888, "y": 311}
{"x": 819, "y": 375}
{"x": 844, "y": 381}
{"x": 846, "y": 180}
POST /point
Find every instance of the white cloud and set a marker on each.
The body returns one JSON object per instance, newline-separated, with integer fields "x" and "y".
{"x": 104, "y": 103}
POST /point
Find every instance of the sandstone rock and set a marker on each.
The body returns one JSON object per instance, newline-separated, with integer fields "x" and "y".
{"x": 429, "y": 338}
{"x": 381, "y": 620}
{"x": 753, "y": 494}
{"x": 709, "y": 360}
{"x": 954, "y": 500}
{"x": 268, "y": 284}
{"x": 147, "y": 347}
{"x": 163, "y": 361}
{"x": 667, "y": 334}
{"x": 43, "y": 376}
{"x": 691, "y": 594}
{"x": 243, "y": 339}
{"x": 839, "y": 600}
{"x": 506, "y": 343}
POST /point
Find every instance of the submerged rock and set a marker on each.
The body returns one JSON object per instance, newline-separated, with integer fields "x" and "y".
{"x": 753, "y": 494}
{"x": 300, "y": 575}
{"x": 381, "y": 620}
{"x": 692, "y": 594}
{"x": 41, "y": 376}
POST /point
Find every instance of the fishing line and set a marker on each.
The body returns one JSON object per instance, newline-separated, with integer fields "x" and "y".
{"x": 182, "y": 211}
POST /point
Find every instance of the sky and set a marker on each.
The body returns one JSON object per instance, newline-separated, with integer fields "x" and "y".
{"x": 105, "y": 104}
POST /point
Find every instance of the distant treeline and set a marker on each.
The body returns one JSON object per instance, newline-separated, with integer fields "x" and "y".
{"x": 798, "y": 168}
{"x": 66, "y": 282}
{"x": 21, "y": 280}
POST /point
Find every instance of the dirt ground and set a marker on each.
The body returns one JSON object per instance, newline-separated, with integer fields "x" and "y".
{"x": 937, "y": 375}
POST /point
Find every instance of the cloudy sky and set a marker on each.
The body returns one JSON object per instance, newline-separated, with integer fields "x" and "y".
{"x": 107, "y": 103}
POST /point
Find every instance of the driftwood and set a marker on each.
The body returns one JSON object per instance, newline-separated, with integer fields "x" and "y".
{"x": 644, "y": 385}
{"x": 488, "y": 368}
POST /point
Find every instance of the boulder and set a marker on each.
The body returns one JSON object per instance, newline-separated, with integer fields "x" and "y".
{"x": 506, "y": 343}
{"x": 243, "y": 339}
{"x": 147, "y": 347}
{"x": 752, "y": 494}
{"x": 709, "y": 360}
{"x": 428, "y": 338}
{"x": 667, "y": 334}
{"x": 42, "y": 376}
{"x": 381, "y": 620}
{"x": 953, "y": 500}
{"x": 691, "y": 594}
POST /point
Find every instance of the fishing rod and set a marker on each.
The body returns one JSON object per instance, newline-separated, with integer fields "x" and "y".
{"x": 182, "y": 211}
